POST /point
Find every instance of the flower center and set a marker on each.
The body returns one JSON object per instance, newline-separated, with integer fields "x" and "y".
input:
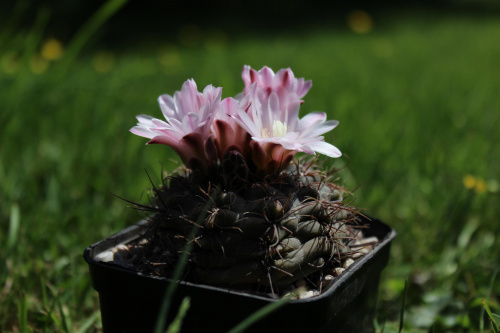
{"x": 279, "y": 130}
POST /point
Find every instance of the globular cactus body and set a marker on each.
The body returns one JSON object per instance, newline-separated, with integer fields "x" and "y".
{"x": 247, "y": 232}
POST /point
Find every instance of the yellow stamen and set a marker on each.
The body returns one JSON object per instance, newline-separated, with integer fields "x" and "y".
{"x": 279, "y": 130}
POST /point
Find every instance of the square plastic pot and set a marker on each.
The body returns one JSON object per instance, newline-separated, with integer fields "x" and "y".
{"x": 130, "y": 302}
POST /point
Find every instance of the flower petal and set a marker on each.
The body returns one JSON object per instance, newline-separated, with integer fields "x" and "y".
{"x": 311, "y": 120}
{"x": 322, "y": 128}
{"x": 325, "y": 148}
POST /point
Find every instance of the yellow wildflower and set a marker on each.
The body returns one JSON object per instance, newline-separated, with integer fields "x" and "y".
{"x": 469, "y": 182}
{"x": 360, "y": 21}
{"x": 52, "y": 49}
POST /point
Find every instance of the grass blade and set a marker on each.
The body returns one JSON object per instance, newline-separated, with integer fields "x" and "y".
{"x": 402, "y": 315}
{"x": 22, "y": 313}
{"x": 378, "y": 328}
{"x": 35, "y": 36}
{"x": 14, "y": 223}
{"x": 89, "y": 322}
{"x": 261, "y": 313}
{"x": 88, "y": 30}
{"x": 490, "y": 288}
{"x": 63, "y": 317}
{"x": 176, "y": 325}
{"x": 494, "y": 324}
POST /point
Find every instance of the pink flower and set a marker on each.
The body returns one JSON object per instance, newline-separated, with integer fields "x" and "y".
{"x": 187, "y": 128}
{"x": 284, "y": 84}
{"x": 270, "y": 114}
{"x": 280, "y": 135}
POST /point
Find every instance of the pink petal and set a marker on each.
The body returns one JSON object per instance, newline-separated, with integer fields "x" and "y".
{"x": 246, "y": 123}
{"x": 303, "y": 87}
{"x": 245, "y": 75}
{"x": 164, "y": 140}
{"x": 228, "y": 107}
{"x": 292, "y": 115}
{"x": 157, "y": 123}
{"x": 267, "y": 76}
{"x": 211, "y": 93}
{"x": 187, "y": 99}
{"x": 284, "y": 78}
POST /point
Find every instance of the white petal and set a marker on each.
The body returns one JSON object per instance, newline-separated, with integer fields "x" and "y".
{"x": 167, "y": 106}
{"x": 246, "y": 123}
{"x": 325, "y": 149}
{"x": 143, "y": 131}
{"x": 315, "y": 131}
{"x": 311, "y": 120}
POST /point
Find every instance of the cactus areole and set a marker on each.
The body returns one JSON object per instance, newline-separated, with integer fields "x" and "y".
{"x": 251, "y": 216}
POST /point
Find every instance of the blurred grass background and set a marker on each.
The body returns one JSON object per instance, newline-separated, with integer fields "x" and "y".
{"x": 415, "y": 89}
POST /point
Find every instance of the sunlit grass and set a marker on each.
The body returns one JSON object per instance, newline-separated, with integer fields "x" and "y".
{"x": 417, "y": 100}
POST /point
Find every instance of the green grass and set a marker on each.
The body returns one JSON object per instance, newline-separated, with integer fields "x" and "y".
{"x": 419, "y": 110}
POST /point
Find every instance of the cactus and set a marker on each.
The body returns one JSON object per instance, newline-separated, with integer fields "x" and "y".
{"x": 255, "y": 217}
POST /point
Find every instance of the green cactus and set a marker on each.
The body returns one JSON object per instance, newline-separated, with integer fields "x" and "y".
{"x": 259, "y": 234}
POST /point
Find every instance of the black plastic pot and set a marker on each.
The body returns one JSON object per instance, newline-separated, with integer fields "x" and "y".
{"x": 130, "y": 302}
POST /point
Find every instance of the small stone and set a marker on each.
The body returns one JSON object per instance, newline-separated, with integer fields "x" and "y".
{"x": 339, "y": 270}
{"x": 347, "y": 263}
{"x": 122, "y": 252}
{"x": 327, "y": 279}
{"x": 367, "y": 240}
{"x": 120, "y": 248}
{"x": 106, "y": 256}
{"x": 360, "y": 252}
{"x": 370, "y": 241}
{"x": 308, "y": 294}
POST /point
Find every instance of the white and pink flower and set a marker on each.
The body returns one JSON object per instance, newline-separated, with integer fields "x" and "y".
{"x": 187, "y": 128}
{"x": 268, "y": 122}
